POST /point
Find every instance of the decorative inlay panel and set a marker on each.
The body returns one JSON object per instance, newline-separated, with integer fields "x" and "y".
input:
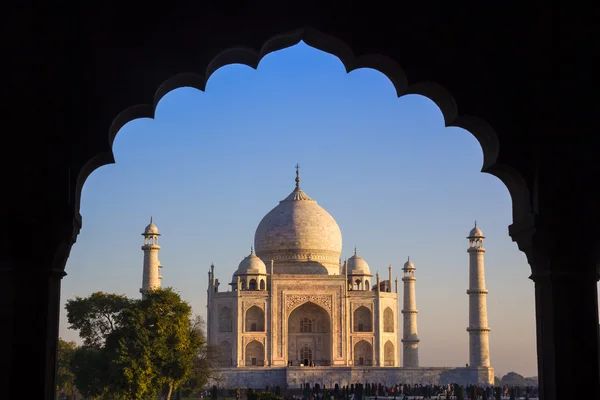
{"x": 294, "y": 300}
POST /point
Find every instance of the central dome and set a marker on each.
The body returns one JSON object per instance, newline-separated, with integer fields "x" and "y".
{"x": 296, "y": 231}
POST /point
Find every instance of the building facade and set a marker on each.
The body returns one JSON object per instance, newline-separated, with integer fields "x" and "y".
{"x": 294, "y": 313}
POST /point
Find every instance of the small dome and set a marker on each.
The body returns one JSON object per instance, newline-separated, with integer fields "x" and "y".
{"x": 475, "y": 233}
{"x": 409, "y": 265}
{"x": 151, "y": 229}
{"x": 357, "y": 265}
{"x": 251, "y": 265}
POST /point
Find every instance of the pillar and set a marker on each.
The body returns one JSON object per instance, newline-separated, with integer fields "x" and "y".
{"x": 564, "y": 265}
{"x": 31, "y": 270}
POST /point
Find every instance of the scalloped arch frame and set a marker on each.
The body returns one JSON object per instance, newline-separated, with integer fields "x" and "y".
{"x": 481, "y": 130}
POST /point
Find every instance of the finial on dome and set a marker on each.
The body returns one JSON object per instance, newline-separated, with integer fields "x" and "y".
{"x": 297, "y": 175}
{"x": 251, "y": 250}
{"x": 475, "y": 223}
{"x": 151, "y": 219}
{"x": 354, "y": 250}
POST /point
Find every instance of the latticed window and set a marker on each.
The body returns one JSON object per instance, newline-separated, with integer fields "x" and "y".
{"x": 306, "y": 353}
{"x": 306, "y": 325}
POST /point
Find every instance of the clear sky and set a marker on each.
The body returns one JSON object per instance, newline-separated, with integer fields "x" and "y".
{"x": 212, "y": 164}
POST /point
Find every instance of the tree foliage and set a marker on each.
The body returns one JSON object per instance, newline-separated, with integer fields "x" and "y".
{"x": 136, "y": 348}
{"x": 90, "y": 367}
{"x": 65, "y": 378}
{"x": 204, "y": 360}
{"x": 96, "y": 316}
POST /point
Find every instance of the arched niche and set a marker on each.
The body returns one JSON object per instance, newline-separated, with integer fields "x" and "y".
{"x": 388, "y": 320}
{"x": 389, "y": 354}
{"x": 252, "y": 285}
{"x": 225, "y": 359}
{"x": 255, "y": 354}
{"x": 255, "y": 319}
{"x": 309, "y": 327}
{"x": 225, "y": 324}
{"x": 363, "y": 353}
{"x": 363, "y": 320}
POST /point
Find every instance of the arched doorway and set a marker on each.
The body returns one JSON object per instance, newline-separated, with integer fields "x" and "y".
{"x": 363, "y": 353}
{"x": 309, "y": 335}
{"x": 255, "y": 354}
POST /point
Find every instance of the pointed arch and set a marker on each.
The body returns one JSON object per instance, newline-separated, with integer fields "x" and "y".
{"x": 363, "y": 353}
{"x": 362, "y": 320}
{"x": 389, "y": 358}
{"x": 255, "y": 354}
{"x": 225, "y": 355}
{"x": 309, "y": 326}
{"x": 255, "y": 319}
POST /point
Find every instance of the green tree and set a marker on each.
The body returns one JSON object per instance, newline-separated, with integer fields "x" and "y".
{"x": 135, "y": 348}
{"x": 65, "y": 378}
{"x": 96, "y": 316}
{"x": 90, "y": 367}
{"x": 204, "y": 362}
{"x": 156, "y": 345}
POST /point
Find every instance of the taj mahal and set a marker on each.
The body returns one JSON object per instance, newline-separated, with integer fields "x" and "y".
{"x": 293, "y": 313}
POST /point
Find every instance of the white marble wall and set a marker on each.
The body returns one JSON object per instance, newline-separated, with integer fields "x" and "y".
{"x": 294, "y": 377}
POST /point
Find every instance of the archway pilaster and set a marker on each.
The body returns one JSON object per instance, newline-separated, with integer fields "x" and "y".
{"x": 563, "y": 255}
{"x": 30, "y": 282}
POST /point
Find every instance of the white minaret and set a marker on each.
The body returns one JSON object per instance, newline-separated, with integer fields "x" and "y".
{"x": 151, "y": 276}
{"x": 410, "y": 339}
{"x": 479, "y": 345}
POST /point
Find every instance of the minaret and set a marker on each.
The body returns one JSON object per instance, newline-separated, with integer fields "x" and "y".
{"x": 151, "y": 276}
{"x": 410, "y": 339}
{"x": 479, "y": 345}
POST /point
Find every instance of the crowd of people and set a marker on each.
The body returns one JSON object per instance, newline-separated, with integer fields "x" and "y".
{"x": 371, "y": 391}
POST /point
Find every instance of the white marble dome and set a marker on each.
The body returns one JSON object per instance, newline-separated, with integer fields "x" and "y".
{"x": 251, "y": 265}
{"x": 298, "y": 229}
{"x": 476, "y": 232}
{"x": 409, "y": 265}
{"x": 358, "y": 266}
{"x": 151, "y": 229}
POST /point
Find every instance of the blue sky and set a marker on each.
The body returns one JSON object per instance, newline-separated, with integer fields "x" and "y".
{"x": 212, "y": 164}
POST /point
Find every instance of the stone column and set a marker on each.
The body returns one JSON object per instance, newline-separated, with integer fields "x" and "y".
{"x": 31, "y": 270}
{"x": 564, "y": 265}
